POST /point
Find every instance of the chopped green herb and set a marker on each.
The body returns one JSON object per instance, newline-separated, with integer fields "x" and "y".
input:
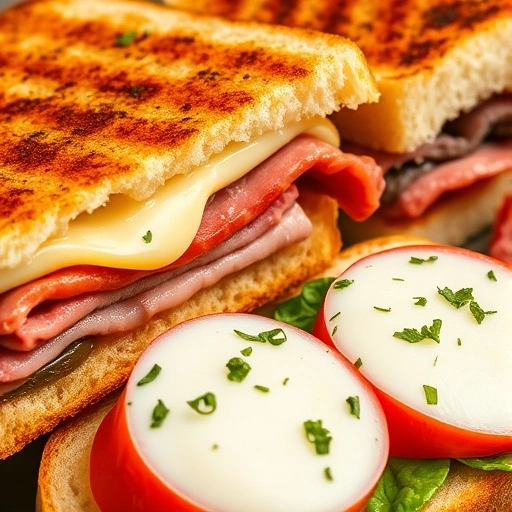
{"x": 215, "y": 446}
{"x": 301, "y": 311}
{"x": 238, "y": 369}
{"x": 418, "y": 261}
{"x": 246, "y": 351}
{"x": 148, "y": 237}
{"x": 285, "y": 381}
{"x": 433, "y": 331}
{"x": 129, "y": 403}
{"x": 274, "y": 337}
{"x": 335, "y": 316}
{"x": 435, "y": 360}
{"x": 205, "y": 404}
{"x": 328, "y": 474}
{"x": 478, "y": 312}
{"x": 430, "y": 394}
{"x": 343, "y": 283}
{"x": 159, "y": 413}
{"x": 334, "y": 330}
{"x": 358, "y": 363}
{"x": 459, "y": 342}
{"x": 420, "y": 301}
{"x": 397, "y": 279}
{"x": 384, "y": 310}
{"x": 415, "y": 336}
{"x": 318, "y": 435}
{"x": 355, "y": 406}
{"x": 459, "y": 298}
{"x": 491, "y": 275}
{"x": 263, "y": 389}
{"x": 126, "y": 39}
{"x": 151, "y": 376}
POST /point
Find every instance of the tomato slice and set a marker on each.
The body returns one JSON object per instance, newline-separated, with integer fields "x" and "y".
{"x": 265, "y": 433}
{"x": 444, "y": 397}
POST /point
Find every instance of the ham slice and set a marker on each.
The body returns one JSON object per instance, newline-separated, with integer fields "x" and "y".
{"x": 357, "y": 183}
{"x": 500, "y": 246}
{"x": 137, "y": 310}
{"x": 488, "y": 160}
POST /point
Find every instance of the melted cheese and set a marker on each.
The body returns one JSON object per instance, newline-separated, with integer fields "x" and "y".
{"x": 252, "y": 453}
{"x": 473, "y": 376}
{"x": 112, "y": 236}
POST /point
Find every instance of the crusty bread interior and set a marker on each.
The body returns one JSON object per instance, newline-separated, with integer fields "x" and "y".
{"x": 451, "y": 220}
{"x": 90, "y": 117}
{"x": 24, "y": 418}
{"x": 64, "y": 486}
{"x": 432, "y": 58}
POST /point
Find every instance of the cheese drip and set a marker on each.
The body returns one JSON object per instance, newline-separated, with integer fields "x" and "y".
{"x": 117, "y": 234}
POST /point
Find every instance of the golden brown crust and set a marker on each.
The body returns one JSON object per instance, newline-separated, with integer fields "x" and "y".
{"x": 87, "y": 117}
{"x": 24, "y": 418}
{"x": 432, "y": 58}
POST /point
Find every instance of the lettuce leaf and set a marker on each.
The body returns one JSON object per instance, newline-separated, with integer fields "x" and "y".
{"x": 502, "y": 462}
{"x": 301, "y": 311}
{"x": 407, "y": 484}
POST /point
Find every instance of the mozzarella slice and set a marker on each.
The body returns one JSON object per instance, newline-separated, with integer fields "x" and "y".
{"x": 251, "y": 453}
{"x": 114, "y": 235}
{"x": 465, "y": 379}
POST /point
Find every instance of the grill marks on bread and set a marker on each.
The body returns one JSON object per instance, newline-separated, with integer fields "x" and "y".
{"x": 83, "y": 116}
{"x": 398, "y": 36}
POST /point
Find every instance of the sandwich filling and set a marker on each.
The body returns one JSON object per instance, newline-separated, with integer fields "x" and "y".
{"x": 475, "y": 146}
{"x": 240, "y": 223}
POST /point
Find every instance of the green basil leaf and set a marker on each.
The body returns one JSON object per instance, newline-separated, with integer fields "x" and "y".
{"x": 301, "y": 311}
{"x": 407, "y": 484}
{"x": 501, "y": 462}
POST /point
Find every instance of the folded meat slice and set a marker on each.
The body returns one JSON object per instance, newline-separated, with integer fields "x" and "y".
{"x": 156, "y": 295}
{"x": 459, "y": 157}
{"x": 54, "y": 317}
{"x": 356, "y": 182}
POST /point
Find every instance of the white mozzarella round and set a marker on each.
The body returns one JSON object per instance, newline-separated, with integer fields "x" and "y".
{"x": 252, "y": 453}
{"x": 470, "y": 368}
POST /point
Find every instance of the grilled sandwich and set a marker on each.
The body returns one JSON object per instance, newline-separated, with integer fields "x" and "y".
{"x": 442, "y": 128}
{"x": 148, "y": 169}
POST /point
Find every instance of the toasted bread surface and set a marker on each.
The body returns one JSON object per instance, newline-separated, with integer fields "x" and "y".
{"x": 24, "y": 418}
{"x": 100, "y": 98}
{"x": 432, "y": 59}
{"x": 64, "y": 486}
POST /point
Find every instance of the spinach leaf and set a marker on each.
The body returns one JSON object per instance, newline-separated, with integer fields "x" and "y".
{"x": 502, "y": 462}
{"x": 301, "y": 311}
{"x": 407, "y": 484}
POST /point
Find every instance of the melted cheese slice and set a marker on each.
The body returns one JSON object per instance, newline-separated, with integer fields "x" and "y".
{"x": 470, "y": 367}
{"x": 252, "y": 452}
{"x": 112, "y": 236}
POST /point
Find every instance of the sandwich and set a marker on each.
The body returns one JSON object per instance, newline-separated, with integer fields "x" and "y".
{"x": 149, "y": 160}
{"x": 441, "y": 130}
{"x": 416, "y": 485}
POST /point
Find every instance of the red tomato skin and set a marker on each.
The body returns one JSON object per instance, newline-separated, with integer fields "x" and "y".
{"x": 120, "y": 480}
{"x": 416, "y": 435}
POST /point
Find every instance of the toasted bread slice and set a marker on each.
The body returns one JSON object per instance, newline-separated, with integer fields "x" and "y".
{"x": 432, "y": 59}
{"x": 63, "y": 475}
{"x": 128, "y": 94}
{"x": 25, "y": 417}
